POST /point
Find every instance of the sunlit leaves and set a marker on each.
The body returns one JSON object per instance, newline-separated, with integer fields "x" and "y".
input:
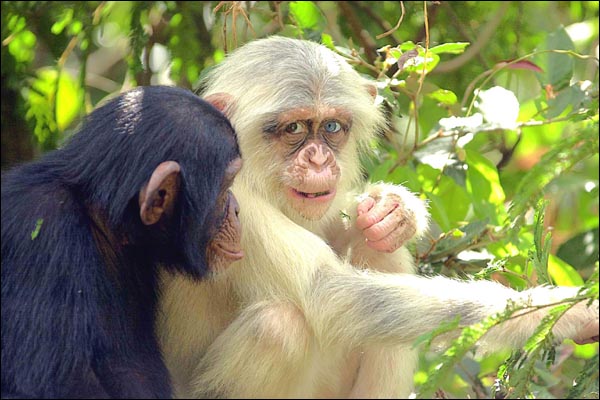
{"x": 449, "y": 48}
{"x": 69, "y": 22}
{"x": 448, "y": 192}
{"x": 414, "y": 58}
{"x": 443, "y": 96}
{"x": 563, "y": 274}
{"x": 67, "y": 16}
{"x": 22, "y": 46}
{"x": 422, "y": 63}
{"x": 53, "y": 104}
{"x": 327, "y": 41}
{"x": 21, "y": 42}
{"x": 308, "y": 17}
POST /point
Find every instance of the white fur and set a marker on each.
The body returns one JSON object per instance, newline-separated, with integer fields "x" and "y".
{"x": 304, "y": 315}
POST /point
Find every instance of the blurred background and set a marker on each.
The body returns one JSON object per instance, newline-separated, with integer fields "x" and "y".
{"x": 494, "y": 121}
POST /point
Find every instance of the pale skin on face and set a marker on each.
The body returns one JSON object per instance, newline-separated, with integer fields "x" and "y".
{"x": 386, "y": 225}
{"x": 306, "y": 140}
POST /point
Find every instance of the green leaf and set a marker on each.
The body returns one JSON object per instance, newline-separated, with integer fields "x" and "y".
{"x": 291, "y": 31}
{"x": 66, "y": 18}
{"x": 582, "y": 250}
{"x": 585, "y": 351}
{"x": 443, "y": 96}
{"x": 450, "y": 48}
{"x": 542, "y": 250}
{"x": 75, "y": 28}
{"x": 406, "y": 46}
{"x": 483, "y": 185}
{"x": 39, "y": 100}
{"x": 455, "y": 200}
{"x": 16, "y": 23}
{"x": 327, "y": 40}
{"x": 395, "y": 54}
{"x": 558, "y": 68}
{"x": 38, "y": 227}
{"x": 544, "y": 329}
{"x": 176, "y": 20}
{"x": 379, "y": 172}
{"x": 563, "y": 274}
{"x": 406, "y": 176}
{"x": 492, "y": 267}
{"x": 438, "y": 211}
{"x": 569, "y": 99}
{"x": 22, "y": 47}
{"x": 449, "y": 202}
{"x": 307, "y": 15}
{"x": 423, "y": 63}
{"x": 68, "y": 101}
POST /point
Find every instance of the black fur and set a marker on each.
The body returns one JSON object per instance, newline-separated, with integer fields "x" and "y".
{"x": 79, "y": 291}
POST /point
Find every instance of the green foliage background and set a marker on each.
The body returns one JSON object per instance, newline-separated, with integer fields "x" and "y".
{"x": 495, "y": 123}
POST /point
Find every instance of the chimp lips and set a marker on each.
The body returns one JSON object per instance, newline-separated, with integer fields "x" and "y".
{"x": 323, "y": 196}
{"x": 313, "y": 195}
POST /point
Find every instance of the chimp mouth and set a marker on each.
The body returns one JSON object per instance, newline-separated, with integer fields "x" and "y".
{"x": 232, "y": 254}
{"x": 313, "y": 195}
{"x": 325, "y": 195}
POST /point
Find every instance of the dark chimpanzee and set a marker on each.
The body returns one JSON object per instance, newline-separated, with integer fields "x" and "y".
{"x": 144, "y": 183}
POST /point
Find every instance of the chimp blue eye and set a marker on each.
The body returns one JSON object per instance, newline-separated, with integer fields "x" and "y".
{"x": 332, "y": 126}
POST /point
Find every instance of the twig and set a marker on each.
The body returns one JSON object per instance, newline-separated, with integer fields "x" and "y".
{"x": 380, "y": 21}
{"x": 395, "y": 28}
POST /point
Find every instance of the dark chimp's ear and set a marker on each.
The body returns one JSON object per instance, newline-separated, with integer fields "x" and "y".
{"x": 222, "y": 102}
{"x": 159, "y": 195}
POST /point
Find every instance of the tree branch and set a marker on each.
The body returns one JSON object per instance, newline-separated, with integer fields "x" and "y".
{"x": 483, "y": 37}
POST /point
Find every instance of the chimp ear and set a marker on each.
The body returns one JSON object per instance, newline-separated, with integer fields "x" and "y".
{"x": 221, "y": 101}
{"x": 372, "y": 89}
{"x": 159, "y": 195}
